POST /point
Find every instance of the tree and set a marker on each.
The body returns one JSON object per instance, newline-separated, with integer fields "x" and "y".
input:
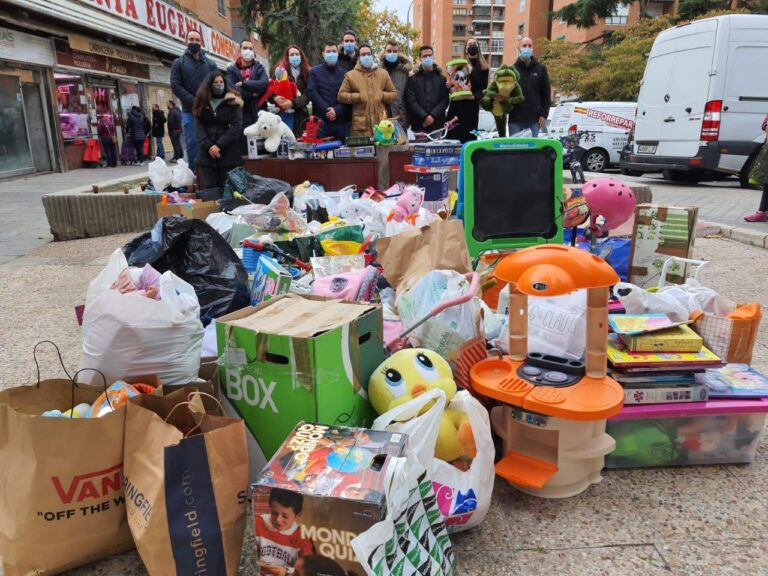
{"x": 567, "y": 62}
{"x": 307, "y": 23}
{"x": 377, "y": 27}
{"x": 586, "y": 13}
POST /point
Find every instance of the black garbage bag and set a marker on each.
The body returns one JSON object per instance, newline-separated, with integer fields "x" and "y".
{"x": 257, "y": 189}
{"x": 195, "y": 252}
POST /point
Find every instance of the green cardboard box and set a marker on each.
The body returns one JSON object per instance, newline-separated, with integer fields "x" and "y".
{"x": 298, "y": 358}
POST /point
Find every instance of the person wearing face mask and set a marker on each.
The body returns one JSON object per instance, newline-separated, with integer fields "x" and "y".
{"x": 468, "y": 111}
{"x": 348, "y": 51}
{"x": 323, "y": 84}
{"x": 250, "y": 78}
{"x": 219, "y": 126}
{"x": 294, "y": 61}
{"x": 426, "y": 94}
{"x": 369, "y": 90}
{"x": 187, "y": 75}
{"x": 399, "y": 69}
{"x": 534, "y": 81}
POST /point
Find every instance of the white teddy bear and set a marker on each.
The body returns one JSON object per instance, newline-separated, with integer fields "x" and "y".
{"x": 271, "y": 128}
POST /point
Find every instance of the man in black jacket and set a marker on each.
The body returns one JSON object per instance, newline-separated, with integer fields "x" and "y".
{"x": 348, "y": 51}
{"x": 174, "y": 130}
{"x": 187, "y": 73}
{"x": 251, "y": 79}
{"x": 534, "y": 81}
{"x": 158, "y": 130}
{"x": 426, "y": 94}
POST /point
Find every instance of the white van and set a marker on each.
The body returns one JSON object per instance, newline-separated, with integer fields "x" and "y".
{"x": 702, "y": 100}
{"x": 607, "y": 126}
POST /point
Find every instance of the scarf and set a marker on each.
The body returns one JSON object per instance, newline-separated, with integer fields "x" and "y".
{"x": 245, "y": 69}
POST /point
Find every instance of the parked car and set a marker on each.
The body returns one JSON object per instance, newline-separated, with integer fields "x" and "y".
{"x": 702, "y": 100}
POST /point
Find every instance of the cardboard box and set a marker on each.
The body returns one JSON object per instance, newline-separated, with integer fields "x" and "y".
{"x": 364, "y": 152}
{"x": 660, "y": 232}
{"x": 444, "y": 153}
{"x": 343, "y": 152}
{"x": 269, "y": 280}
{"x": 298, "y": 358}
{"x": 435, "y": 185}
{"x": 199, "y": 210}
{"x": 337, "y": 476}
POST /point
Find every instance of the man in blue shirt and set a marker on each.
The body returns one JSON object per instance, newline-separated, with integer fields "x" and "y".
{"x": 323, "y": 89}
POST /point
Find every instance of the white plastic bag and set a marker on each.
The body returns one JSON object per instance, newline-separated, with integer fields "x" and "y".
{"x": 335, "y": 200}
{"x": 677, "y": 302}
{"x": 127, "y": 335}
{"x": 182, "y": 175}
{"x": 463, "y": 497}
{"x": 160, "y": 174}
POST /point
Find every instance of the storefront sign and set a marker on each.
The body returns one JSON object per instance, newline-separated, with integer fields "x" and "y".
{"x": 108, "y": 50}
{"x": 157, "y": 15}
{"x": 26, "y": 48}
{"x": 98, "y": 63}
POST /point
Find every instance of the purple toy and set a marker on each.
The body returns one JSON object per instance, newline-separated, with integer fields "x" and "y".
{"x": 611, "y": 199}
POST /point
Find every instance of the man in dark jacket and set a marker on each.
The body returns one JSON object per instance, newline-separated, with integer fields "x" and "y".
{"x": 323, "y": 89}
{"x": 399, "y": 68}
{"x": 534, "y": 81}
{"x": 135, "y": 127}
{"x": 426, "y": 94}
{"x": 158, "y": 130}
{"x": 174, "y": 130}
{"x": 187, "y": 73}
{"x": 251, "y": 79}
{"x": 348, "y": 51}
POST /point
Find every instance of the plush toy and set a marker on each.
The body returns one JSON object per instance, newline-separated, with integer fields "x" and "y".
{"x": 459, "y": 84}
{"x": 411, "y": 372}
{"x": 280, "y": 86}
{"x": 407, "y": 206}
{"x": 384, "y": 133}
{"x": 270, "y": 127}
{"x": 502, "y": 95}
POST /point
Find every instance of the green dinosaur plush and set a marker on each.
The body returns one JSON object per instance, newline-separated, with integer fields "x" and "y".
{"x": 502, "y": 95}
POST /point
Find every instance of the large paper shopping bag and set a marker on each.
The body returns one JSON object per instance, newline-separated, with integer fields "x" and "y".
{"x": 186, "y": 477}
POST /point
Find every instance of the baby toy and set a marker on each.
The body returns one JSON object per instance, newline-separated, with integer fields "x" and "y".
{"x": 408, "y": 205}
{"x": 79, "y": 411}
{"x": 502, "y": 95}
{"x": 283, "y": 87}
{"x": 411, "y": 372}
{"x": 459, "y": 84}
{"x": 114, "y": 397}
{"x": 271, "y": 128}
{"x": 610, "y": 199}
{"x": 384, "y": 133}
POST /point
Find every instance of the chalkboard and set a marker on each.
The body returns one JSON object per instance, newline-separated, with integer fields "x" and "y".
{"x": 513, "y": 193}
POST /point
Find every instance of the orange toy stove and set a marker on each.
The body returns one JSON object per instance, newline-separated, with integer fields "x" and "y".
{"x": 553, "y": 413}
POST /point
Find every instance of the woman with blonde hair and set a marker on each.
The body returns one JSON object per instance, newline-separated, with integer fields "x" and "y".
{"x": 468, "y": 111}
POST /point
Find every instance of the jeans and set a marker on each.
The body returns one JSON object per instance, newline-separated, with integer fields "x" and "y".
{"x": 188, "y": 127}
{"x": 159, "y": 148}
{"x": 287, "y": 119}
{"x": 138, "y": 145}
{"x": 178, "y": 151}
{"x": 515, "y": 127}
{"x": 109, "y": 151}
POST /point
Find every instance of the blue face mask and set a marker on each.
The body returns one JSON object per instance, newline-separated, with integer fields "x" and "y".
{"x": 428, "y": 61}
{"x": 526, "y": 52}
{"x": 331, "y": 58}
{"x": 366, "y": 61}
{"x": 295, "y": 60}
{"x": 391, "y": 57}
{"x": 349, "y": 47}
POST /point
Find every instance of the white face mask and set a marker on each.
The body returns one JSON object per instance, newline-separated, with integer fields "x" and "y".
{"x": 247, "y": 55}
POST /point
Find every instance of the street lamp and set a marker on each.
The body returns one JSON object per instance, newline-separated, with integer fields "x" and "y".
{"x": 408, "y": 14}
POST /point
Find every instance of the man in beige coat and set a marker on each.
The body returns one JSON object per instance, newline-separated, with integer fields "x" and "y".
{"x": 368, "y": 90}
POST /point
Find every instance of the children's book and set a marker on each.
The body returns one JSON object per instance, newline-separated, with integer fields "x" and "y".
{"x": 635, "y": 324}
{"x": 677, "y": 339}
{"x": 734, "y": 380}
{"x": 620, "y": 357}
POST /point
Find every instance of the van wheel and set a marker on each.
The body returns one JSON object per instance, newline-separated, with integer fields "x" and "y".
{"x": 744, "y": 174}
{"x": 595, "y": 160}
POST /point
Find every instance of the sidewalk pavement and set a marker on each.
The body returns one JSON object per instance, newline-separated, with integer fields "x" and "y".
{"x": 23, "y": 225}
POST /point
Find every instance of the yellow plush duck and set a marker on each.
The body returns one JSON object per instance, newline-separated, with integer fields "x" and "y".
{"x": 412, "y": 372}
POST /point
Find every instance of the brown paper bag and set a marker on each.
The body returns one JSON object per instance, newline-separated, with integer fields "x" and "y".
{"x": 410, "y": 255}
{"x": 186, "y": 476}
{"x": 61, "y": 501}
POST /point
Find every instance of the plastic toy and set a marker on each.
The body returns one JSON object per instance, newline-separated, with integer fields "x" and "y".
{"x": 459, "y": 84}
{"x": 271, "y": 128}
{"x": 439, "y": 134}
{"x": 312, "y": 131}
{"x": 113, "y": 398}
{"x": 610, "y": 199}
{"x": 553, "y": 413}
{"x": 411, "y": 372}
{"x": 384, "y": 133}
{"x": 502, "y": 95}
{"x": 79, "y": 411}
{"x": 407, "y": 206}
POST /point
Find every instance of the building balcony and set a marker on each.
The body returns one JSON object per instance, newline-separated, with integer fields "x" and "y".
{"x": 488, "y": 2}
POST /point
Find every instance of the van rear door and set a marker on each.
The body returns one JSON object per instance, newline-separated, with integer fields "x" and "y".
{"x": 650, "y": 101}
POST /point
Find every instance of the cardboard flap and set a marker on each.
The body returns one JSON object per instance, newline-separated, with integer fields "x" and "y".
{"x": 298, "y": 316}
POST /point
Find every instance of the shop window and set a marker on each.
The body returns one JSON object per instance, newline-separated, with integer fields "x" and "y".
{"x": 15, "y": 154}
{"x": 72, "y": 106}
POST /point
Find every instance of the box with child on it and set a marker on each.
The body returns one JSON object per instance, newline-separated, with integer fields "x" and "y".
{"x": 324, "y": 487}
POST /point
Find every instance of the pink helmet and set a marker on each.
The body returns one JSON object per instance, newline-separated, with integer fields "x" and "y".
{"x": 611, "y": 199}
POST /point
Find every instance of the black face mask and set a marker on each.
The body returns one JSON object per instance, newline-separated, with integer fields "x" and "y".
{"x": 194, "y": 47}
{"x": 218, "y": 90}
{"x": 472, "y": 51}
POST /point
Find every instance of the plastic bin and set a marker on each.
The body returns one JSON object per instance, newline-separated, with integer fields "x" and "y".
{"x": 690, "y": 434}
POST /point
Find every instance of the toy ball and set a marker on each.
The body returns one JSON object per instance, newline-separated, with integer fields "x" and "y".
{"x": 117, "y": 394}
{"x": 611, "y": 199}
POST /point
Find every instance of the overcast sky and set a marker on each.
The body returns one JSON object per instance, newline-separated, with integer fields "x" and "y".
{"x": 401, "y": 6}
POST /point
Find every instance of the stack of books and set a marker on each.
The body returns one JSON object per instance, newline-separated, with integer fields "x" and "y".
{"x": 657, "y": 360}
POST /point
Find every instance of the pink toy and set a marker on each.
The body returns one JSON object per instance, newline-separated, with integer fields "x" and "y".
{"x": 611, "y": 199}
{"x": 407, "y": 206}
